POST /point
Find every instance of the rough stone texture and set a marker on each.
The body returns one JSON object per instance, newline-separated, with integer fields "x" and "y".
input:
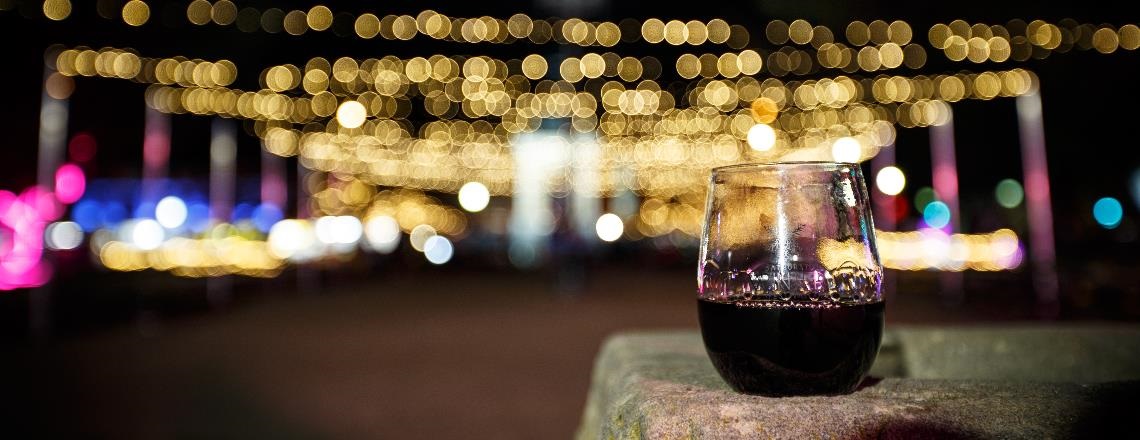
{"x": 1057, "y": 354}
{"x": 971, "y": 383}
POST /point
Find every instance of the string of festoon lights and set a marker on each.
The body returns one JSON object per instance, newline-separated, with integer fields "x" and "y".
{"x": 653, "y": 125}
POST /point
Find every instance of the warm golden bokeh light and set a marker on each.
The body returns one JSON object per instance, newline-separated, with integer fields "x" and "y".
{"x": 319, "y": 18}
{"x": 57, "y": 10}
{"x": 136, "y": 12}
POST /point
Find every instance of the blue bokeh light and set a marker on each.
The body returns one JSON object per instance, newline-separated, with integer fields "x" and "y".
{"x": 145, "y": 210}
{"x": 265, "y": 215}
{"x": 113, "y": 214}
{"x": 241, "y": 212}
{"x": 936, "y": 214}
{"x": 1108, "y": 212}
{"x": 197, "y": 216}
{"x": 88, "y": 214}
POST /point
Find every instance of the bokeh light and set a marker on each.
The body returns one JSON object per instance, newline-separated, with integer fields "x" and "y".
{"x": 890, "y": 180}
{"x": 170, "y": 212}
{"x": 289, "y": 237}
{"x": 761, "y": 137}
{"x": 383, "y": 233}
{"x": 438, "y": 249}
{"x": 846, "y": 149}
{"x": 340, "y": 229}
{"x": 358, "y": 124}
{"x": 1108, "y": 212}
{"x": 146, "y": 234}
{"x": 1009, "y": 193}
{"x": 474, "y": 196}
{"x": 82, "y": 147}
{"x": 419, "y": 236}
{"x": 936, "y": 214}
{"x": 70, "y": 183}
{"x": 348, "y": 229}
{"x": 924, "y": 196}
{"x": 265, "y": 215}
{"x": 57, "y": 10}
{"x": 88, "y": 214}
{"x": 136, "y": 13}
{"x": 609, "y": 227}
{"x": 63, "y": 236}
{"x": 351, "y": 114}
{"x": 1134, "y": 179}
{"x": 325, "y": 229}
{"x": 927, "y": 249}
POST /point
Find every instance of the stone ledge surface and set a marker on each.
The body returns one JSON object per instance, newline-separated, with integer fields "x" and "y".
{"x": 1017, "y": 382}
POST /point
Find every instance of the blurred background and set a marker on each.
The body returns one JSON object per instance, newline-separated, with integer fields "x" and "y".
{"x": 351, "y": 219}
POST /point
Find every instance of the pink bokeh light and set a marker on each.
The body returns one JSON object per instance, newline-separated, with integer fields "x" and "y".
{"x": 82, "y": 147}
{"x": 22, "y": 228}
{"x": 41, "y": 204}
{"x": 70, "y": 183}
{"x": 22, "y": 222}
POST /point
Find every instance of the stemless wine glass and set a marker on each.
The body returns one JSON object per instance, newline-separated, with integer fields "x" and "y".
{"x": 789, "y": 278}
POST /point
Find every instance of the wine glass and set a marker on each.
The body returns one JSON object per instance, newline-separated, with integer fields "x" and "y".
{"x": 789, "y": 278}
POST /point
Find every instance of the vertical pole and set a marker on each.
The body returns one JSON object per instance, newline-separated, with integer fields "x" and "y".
{"x": 884, "y": 205}
{"x": 585, "y": 201}
{"x": 1042, "y": 253}
{"x": 302, "y": 190}
{"x": 52, "y": 144}
{"x": 223, "y": 155}
{"x": 307, "y": 281}
{"x": 537, "y": 155}
{"x": 273, "y": 190}
{"x": 156, "y": 155}
{"x": 945, "y": 170}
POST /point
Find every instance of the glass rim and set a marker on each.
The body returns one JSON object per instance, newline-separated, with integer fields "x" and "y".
{"x": 756, "y": 166}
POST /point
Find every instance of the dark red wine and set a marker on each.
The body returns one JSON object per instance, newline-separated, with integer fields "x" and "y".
{"x": 781, "y": 349}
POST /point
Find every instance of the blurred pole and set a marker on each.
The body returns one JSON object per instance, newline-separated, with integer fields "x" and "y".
{"x": 537, "y": 155}
{"x": 307, "y": 281}
{"x": 156, "y": 155}
{"x": 1031, "y": 124}
{"x": 884, "y": 208}
{"x": 585, "y": 208}
{"x": 945, "y": 170}
{"x": 53, "y": 137}
{"x": 585, "y": 201}
{"x": 223, "y": 155}
{"x": 302, "y": 190}
{"x": 52, "y": 147}
{"x": 273, "y": 190}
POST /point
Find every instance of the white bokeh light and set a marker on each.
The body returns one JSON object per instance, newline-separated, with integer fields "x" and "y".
{"x": 351, "y": 114}
{"x": 340, "y": 229}
{"x": 383, "y": 233}
{"x": 846, "y": 149}
{"x": 419, "y": 236}
{"x": 438, "y": 249}
{"x": 347, "y": 229}
{"x": 147, "y": 234}
{"x": 761, "y": 137}
{"x": 325, "y": 229}
{"x": 289, "y": 237}
{"x": 609, "y": 227}
{"x": 890, "y": 181}
{"x": 474, "y": 197}
{"x": 170, "y": 212}
{"x": 63, "y": 236}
